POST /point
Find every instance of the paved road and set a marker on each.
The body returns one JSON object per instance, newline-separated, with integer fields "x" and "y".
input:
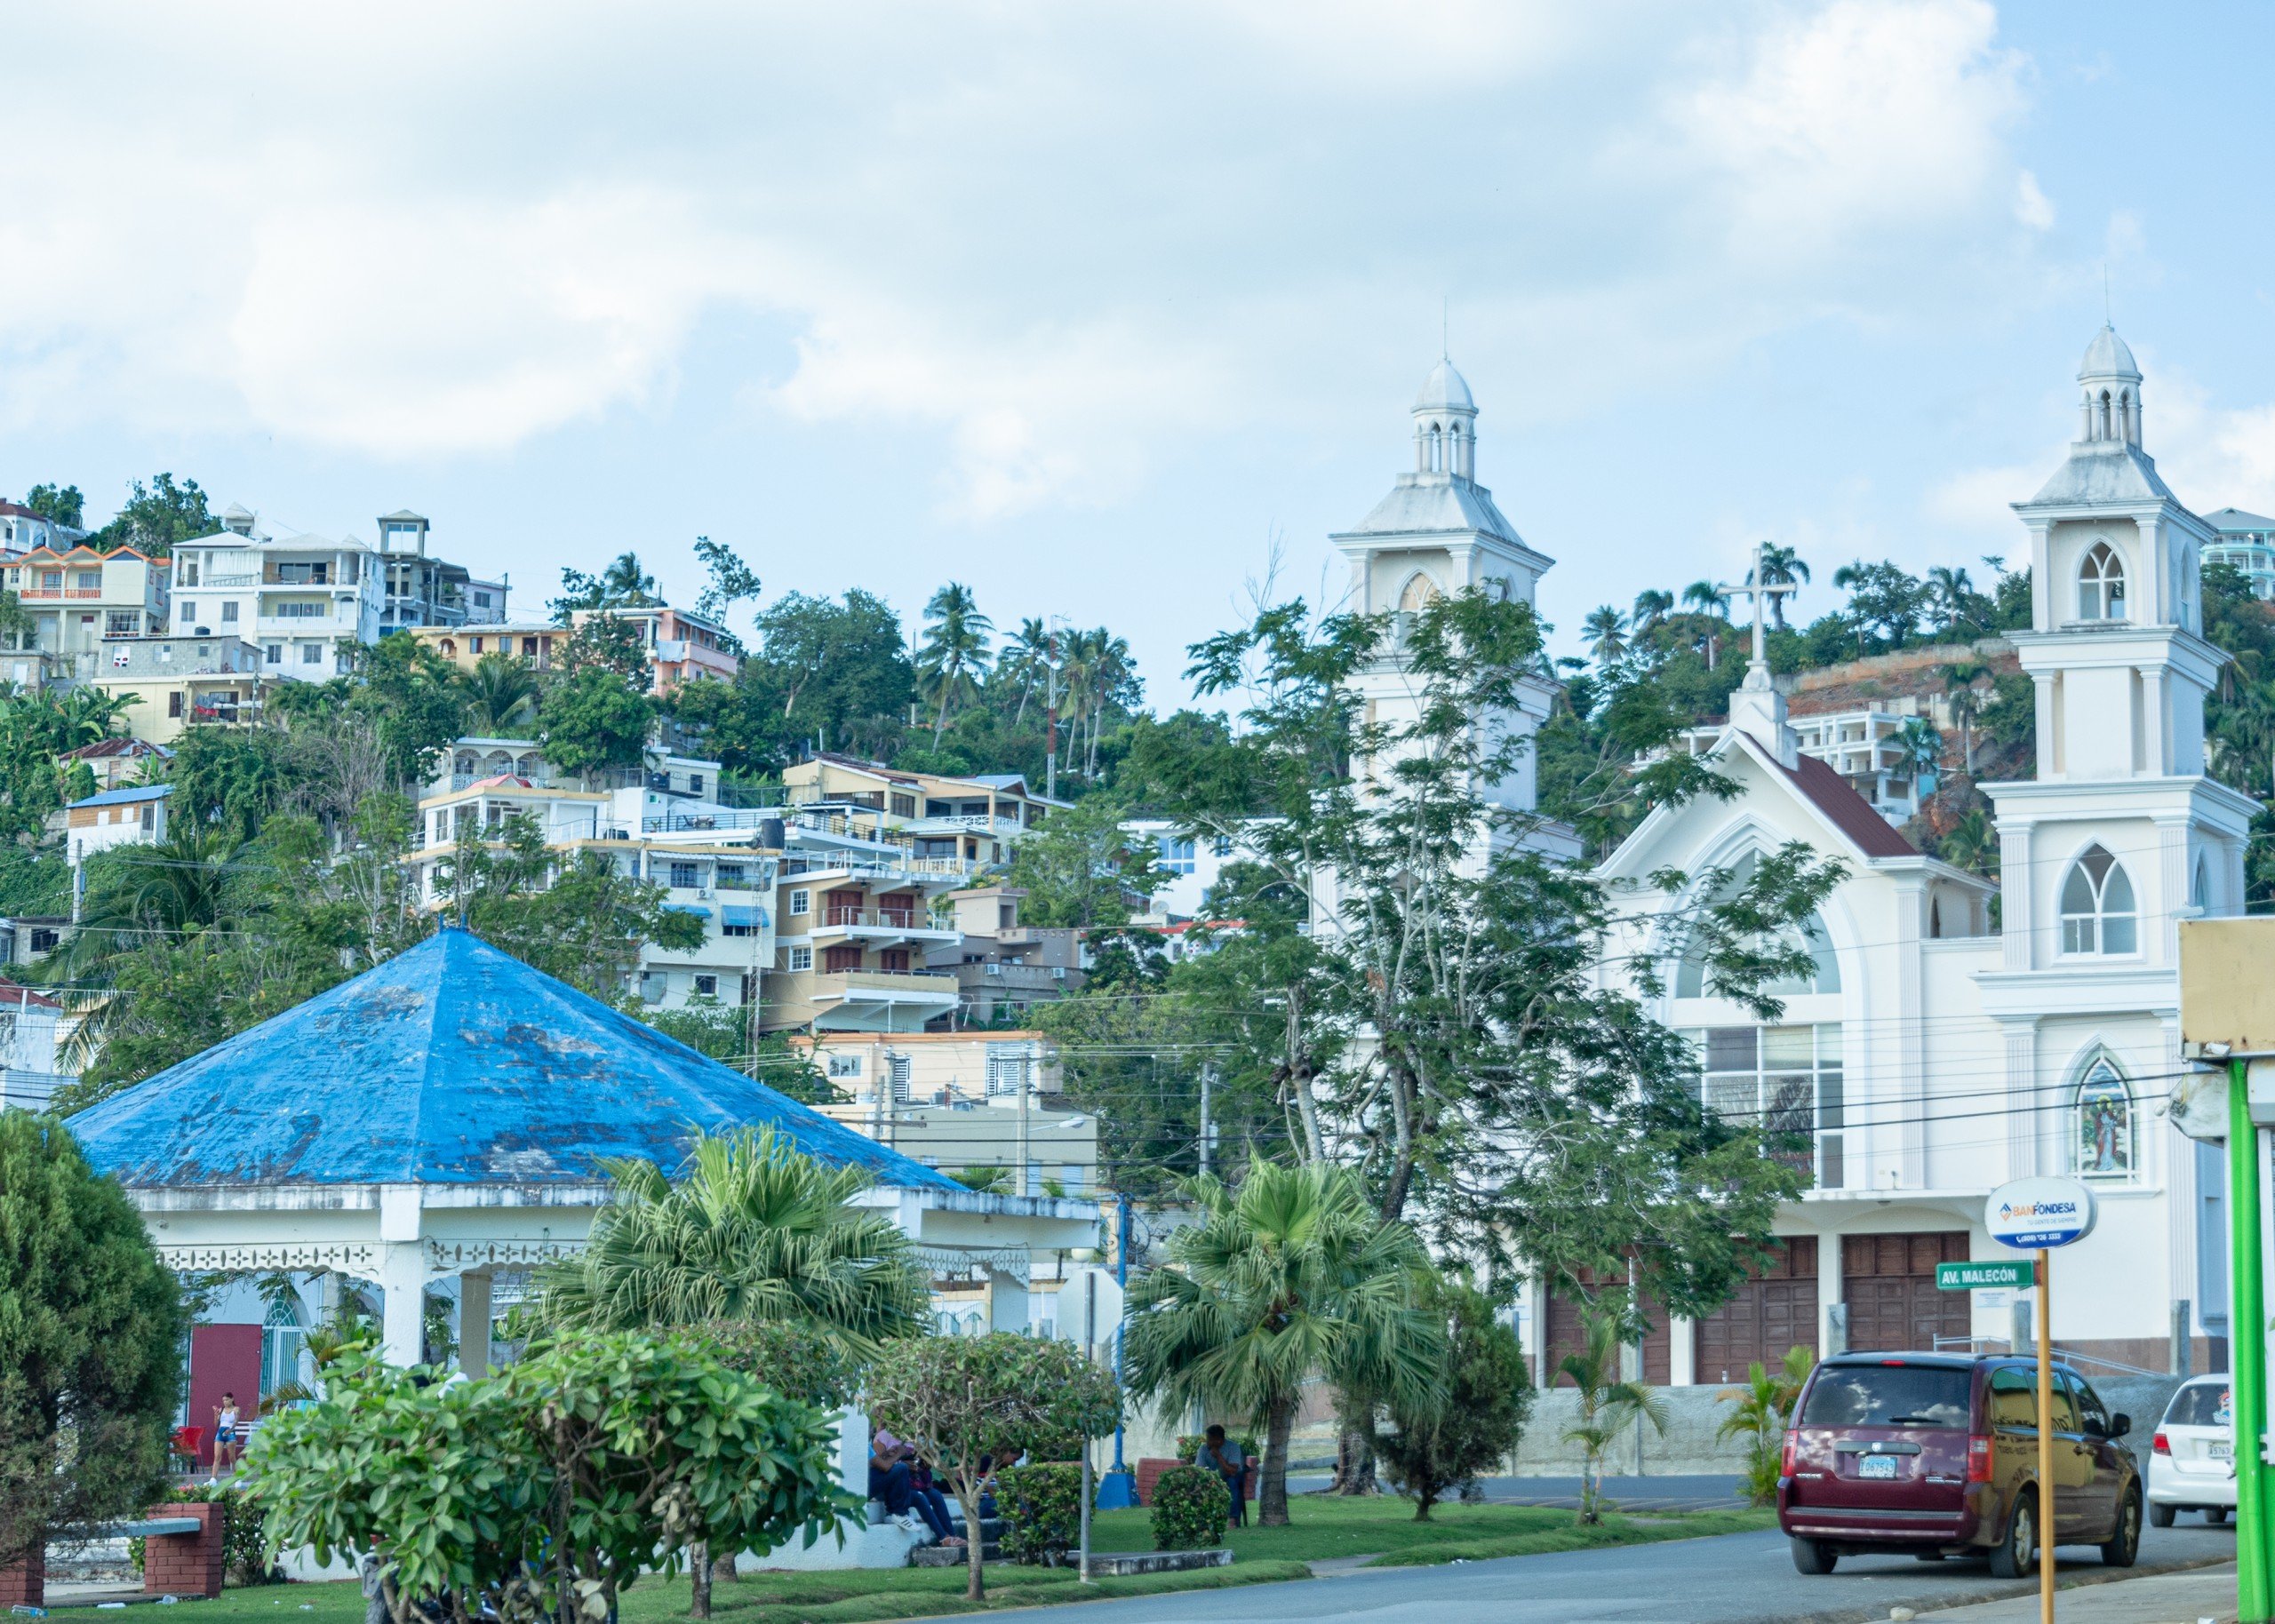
{"x": 1737, "y": 1579}
{"x": 1701, "y": 1494}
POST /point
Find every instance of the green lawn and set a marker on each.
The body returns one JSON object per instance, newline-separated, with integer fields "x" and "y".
{"x": 1322, "y": 1528}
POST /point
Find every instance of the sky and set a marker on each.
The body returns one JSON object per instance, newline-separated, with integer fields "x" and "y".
{"x": 1113, "y": 312}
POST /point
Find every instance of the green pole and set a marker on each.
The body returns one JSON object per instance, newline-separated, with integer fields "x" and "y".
{"x": 2247, "y": 1352}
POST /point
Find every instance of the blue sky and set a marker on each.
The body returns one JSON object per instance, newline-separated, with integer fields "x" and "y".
{"x": 1088, "y": 305}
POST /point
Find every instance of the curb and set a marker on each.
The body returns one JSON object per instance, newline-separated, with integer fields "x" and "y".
{"x": 1999, "y": 1592}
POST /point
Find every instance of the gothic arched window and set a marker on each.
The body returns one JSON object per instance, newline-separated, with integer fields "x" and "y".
{"x": 2098, "y": 913}
{"x": 2105, "y": 1123}
{"x": 1824, "y": 972}
{"x": 2101, "y": 585}
{"x": 1419, "y": 592}
{"x": 281, "y": 1337}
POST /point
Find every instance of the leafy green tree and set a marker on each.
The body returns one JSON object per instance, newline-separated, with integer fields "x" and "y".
{"x": 757, "y": 1231}
{"x": 964, "y": 1400}
{"x": 825, "y": 675}
{"x": 593, "y": 720}
{"x": 62, "y": 504}
{"x": 1474, "y": 983}
{"x": 571, "y": 915}
{"x": 91, "y": 1332}
{"x": 1291, "y": 1276}
{"x": 607, "y": 642}
{"x": 1607, "y": 1403}
{"x": 624, "y": 584}
{"x": 156, "y": 517}
{"x": 954, "y": 656}
{"x": 1081, "y": 868}
{"x": 415, "y": 705}
{"x": 731, "y": 581}
{"x": 547, "y": 1491}
{"x": 723, "y": 1031}
{"x": 1883, "y": 598}
{"x": 1476, "y": 1422}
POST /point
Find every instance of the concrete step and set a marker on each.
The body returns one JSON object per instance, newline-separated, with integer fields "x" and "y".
{"x": 951, "y": 1556}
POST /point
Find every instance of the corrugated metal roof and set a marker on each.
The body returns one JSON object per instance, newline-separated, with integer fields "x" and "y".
{"x": 452, "y": 1063}
{"x": 114, "y": 798}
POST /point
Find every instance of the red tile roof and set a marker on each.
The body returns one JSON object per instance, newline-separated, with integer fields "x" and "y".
{"x": 1850, "y": 812}
{"x": 102, "y": 749}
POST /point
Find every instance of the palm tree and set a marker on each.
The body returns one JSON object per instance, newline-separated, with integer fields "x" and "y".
{"x": 1714, "y": 604}
{"x": 1607, "y": 629}
{"x": 625, "y": 584}
{"x": 1291, "y": 1277}
{"x": 757, "y": 1231}
{"x": 1966, "y": 701}
{"x": 1651, "y": 606}
{"x": 1972, "y": 843}
{"x": 1761, "y": 1409}
{"x": 1608, "y": 1403}
{"x": 1779, "y": 566}
{"x": 1026, "y": 658}
{"x": 1949, "y": 591}
{"x": 500, "y": 694}
{"x": 954, "y": 656}
{"x": 1918, "y": 747}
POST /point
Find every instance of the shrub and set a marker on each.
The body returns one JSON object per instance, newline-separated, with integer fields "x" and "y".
{"x": 244, "y": 1550}
{"x": 1042, "y": 1507}
{"x": 1191, "y": 1509}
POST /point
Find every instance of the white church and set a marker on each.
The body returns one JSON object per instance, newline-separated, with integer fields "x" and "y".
{"x": 1941, "y": 1047}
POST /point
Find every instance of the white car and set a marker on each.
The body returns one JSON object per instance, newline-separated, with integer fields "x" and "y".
{"x": 2191, "y": 1460}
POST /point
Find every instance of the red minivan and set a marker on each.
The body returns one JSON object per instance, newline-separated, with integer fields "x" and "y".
{"x": 1936, "y": 1454}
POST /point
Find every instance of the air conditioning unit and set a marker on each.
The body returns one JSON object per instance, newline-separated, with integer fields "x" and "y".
{"x": 1059, "y": 972}
{"x": 995, "y": 966}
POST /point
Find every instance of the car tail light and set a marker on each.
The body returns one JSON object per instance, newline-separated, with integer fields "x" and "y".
{"x": 1978, "y": 1459}
{"x": 2160, "y": 1445}
{"x": 1792, "y": 1448}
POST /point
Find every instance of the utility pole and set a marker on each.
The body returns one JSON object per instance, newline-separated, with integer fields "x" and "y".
{"x": 1026, "y": 1067}
{"x": 1050, "y": 718}
{"x": 1208, "y": 1077}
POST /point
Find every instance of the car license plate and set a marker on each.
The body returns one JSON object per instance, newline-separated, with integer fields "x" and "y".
{"x": 1876, "y": 1466}
{"x": 2223, "y": 1450}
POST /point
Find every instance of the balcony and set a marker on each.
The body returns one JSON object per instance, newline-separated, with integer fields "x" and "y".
{"x": 966, "y": 823}
{"x": 888, "y": 923}
{"x": 851, "y": 1000}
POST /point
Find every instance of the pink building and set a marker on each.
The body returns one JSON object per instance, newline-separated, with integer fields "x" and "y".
{"x": 681, "y": 645}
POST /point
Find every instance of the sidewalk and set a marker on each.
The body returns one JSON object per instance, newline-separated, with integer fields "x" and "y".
{"x": 2188, "y": 1597}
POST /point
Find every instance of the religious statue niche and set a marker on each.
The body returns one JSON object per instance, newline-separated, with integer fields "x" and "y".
{"x": 2104, "y": 1115}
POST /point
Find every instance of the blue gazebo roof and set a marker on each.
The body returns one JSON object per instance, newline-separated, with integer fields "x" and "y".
{"x": 452, "y": 1063}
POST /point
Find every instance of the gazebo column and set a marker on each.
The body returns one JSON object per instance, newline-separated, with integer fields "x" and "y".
{"x": 473, "y": 1322}
{"x": 402, "y": 1274}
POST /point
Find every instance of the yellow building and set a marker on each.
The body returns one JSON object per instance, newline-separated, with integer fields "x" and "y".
{"x": 178, "y": 680}
{"x": 536, "y": 644}
{"x": 975, "y": 819}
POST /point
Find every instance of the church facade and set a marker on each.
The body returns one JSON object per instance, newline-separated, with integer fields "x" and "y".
{"x": 1952, "y": 1034}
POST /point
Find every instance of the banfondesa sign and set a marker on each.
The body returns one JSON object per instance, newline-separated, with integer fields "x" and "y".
{"x": 2032, "y": 1213}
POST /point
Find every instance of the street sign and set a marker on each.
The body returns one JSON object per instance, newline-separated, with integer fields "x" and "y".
{"x": 1979, "y": 1276}
{"x": 2032, "y": 1213}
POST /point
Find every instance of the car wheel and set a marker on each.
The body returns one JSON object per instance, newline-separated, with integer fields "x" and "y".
{"x": 1813, "y": 1555}
{"x": 2160, "y": 1517}
{"x": 2015, "y": 1556}
{"x": 2125, "y": 1545}
{"x": 2215, "y": 1514}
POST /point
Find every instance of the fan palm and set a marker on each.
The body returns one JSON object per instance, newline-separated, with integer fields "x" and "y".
{"x": 1651, "y": 606}
{"x": 1919, "y": 746}
{"x": 955, "y": 655}
{"x": 1026, "y": 659}
{"x": 626, "y": 584}
{"x": 500, "y": 694}
{"x": 1291, "y": 1277}
{"x": 1608, "y": 1402}
{"x": 1951, "y": 595}
{"x": 757, "y": 1231}
{"x": 1760, "y": 1411}
{"x": 1607, "y": 630}
{"x": 1972, "y": 843}
{"x": 1713, "y": 603}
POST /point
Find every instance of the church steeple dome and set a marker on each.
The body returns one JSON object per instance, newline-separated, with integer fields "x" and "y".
{"x": 1445, "y": 425}
{"x": 2108, "y": 408}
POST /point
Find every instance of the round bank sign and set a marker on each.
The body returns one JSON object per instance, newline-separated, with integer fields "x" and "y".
{"x": 2032, "y": 1213}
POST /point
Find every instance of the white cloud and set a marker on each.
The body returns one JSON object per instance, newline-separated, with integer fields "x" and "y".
{"x": 2032, "y": 206}
{"x": 1064, "y": 246}
{"x": 1863, "y": 116}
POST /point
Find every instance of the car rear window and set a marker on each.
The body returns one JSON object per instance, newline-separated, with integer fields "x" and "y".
{"x": 2200, "y": 1404}
{"x": 1888, "y": 1396}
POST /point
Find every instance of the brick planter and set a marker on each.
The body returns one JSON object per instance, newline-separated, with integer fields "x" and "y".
{"x": 184, "y": 1564}
{"x": 25, "y": 1584}
{"x": 1150, "y": 1469}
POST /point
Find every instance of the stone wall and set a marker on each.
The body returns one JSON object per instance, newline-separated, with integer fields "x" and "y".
{"x": 1688, "y": 1448}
